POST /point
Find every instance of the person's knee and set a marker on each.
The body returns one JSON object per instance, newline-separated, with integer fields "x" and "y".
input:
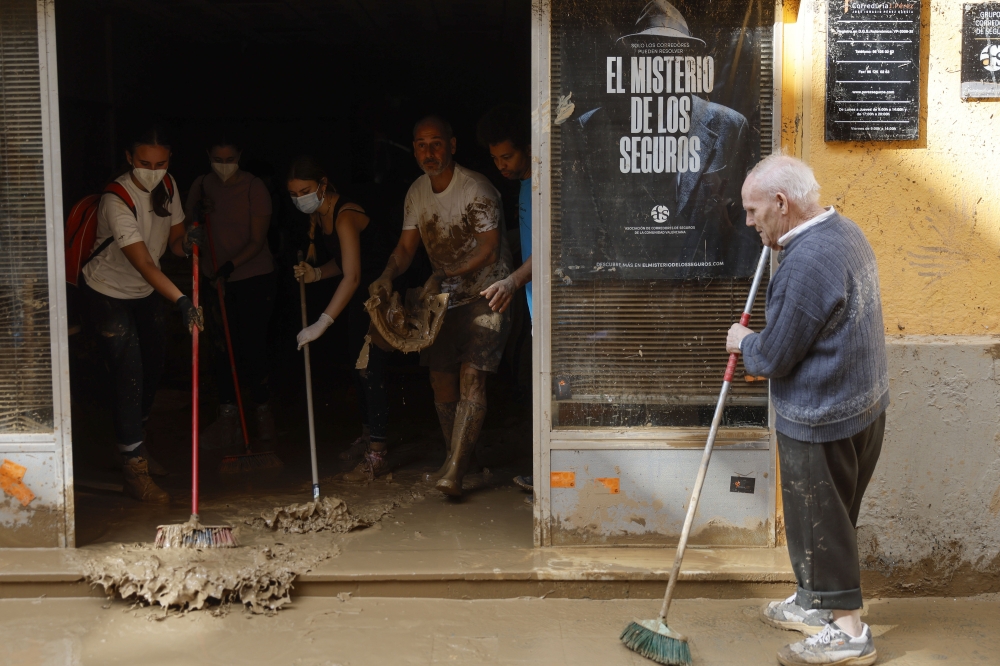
{"x": 473, "y": 384}
{"x": 445, "y": 386}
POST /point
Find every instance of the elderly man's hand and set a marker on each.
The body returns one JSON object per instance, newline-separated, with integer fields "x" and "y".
{"x": 736, "y": 334}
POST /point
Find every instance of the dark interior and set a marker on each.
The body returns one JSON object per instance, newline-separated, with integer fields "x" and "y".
{"x": 343, "y": 80}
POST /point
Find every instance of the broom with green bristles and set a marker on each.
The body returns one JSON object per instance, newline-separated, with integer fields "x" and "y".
{"x": 193, "y": 534}
{"x": 653, "y": 639}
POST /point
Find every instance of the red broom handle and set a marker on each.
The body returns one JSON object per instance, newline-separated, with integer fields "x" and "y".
{"x": 733, "y": 358}
{"x": 194, "y": 386}
{"x": 229, "y": 340}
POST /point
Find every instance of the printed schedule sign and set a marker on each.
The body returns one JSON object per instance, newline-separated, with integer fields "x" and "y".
{"x": 873, "y": 70}
{"x": 659, "y": 123}
{"x": 981, "y": 51}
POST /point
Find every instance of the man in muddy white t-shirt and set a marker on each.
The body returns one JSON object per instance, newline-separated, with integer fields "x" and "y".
{"x": 456, "y": 214}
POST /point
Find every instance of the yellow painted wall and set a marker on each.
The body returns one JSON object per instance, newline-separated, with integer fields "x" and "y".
{"x": 930, "y": 208}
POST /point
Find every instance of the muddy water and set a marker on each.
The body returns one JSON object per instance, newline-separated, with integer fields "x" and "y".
{"x": 549, "y": 632}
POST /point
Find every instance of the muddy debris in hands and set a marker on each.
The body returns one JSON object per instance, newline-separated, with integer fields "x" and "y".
{"x": 327, "y": 514}
{"x": 260, "y": 578}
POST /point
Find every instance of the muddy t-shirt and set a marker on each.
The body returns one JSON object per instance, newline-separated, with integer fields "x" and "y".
{"x": 110, "y": 272}
{"x": 448, "y": 223}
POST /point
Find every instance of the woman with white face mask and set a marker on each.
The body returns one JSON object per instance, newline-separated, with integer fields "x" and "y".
{"x": 237, "y": 208}
{"x": 125, "y": 291}
{"x": 341, "y": 231}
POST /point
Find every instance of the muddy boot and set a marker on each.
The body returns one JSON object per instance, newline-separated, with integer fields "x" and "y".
{"x": 266, "y": 431}
{"x": 155, "y": 468}
{"x": 225, "y": 432}
{"x": 357, "y": 448}
{"x": 468, "y": 422}
{"x": 139, "y": 484}
{"x": 373, "y": 464}
{"x": 446, "y": 416}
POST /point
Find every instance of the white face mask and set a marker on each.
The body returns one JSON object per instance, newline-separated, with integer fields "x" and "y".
{"x": 149, "y": 178}
{"x": 308, "y": 203}
{"x": 225, "y": 171}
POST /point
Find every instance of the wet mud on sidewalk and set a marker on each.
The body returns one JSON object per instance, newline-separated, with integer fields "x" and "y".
{"x": 376, "y": 631}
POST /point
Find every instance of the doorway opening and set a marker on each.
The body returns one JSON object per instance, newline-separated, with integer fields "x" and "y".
{"x": 344, "y": 82}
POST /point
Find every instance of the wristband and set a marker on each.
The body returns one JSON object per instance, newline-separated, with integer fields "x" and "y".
{"x": 319, "y": 273}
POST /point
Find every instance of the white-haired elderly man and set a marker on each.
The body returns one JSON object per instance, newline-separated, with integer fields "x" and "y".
{"x": 823, "y": 349}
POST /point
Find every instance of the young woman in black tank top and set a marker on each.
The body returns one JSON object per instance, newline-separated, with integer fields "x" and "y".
{"x": 349, "y": 236}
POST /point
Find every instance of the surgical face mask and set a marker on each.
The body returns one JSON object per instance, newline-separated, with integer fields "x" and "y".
{"x": 308, "y": 203}
{"x": 225, "y": 171}
{"x": 149, "y": 178}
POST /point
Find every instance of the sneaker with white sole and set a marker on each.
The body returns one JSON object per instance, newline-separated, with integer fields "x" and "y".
{"x": 831, "y": 647}
{"x": 789, "y": 615}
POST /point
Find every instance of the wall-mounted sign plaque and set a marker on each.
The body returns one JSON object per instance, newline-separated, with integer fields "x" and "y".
{"x": 981, "y": 51}
{"x": 873, "y": 70}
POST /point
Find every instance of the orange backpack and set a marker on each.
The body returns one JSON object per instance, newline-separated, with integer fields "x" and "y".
{"x": 81, "y": 228}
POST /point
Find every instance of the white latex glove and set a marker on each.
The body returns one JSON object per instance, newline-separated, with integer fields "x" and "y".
{"x": 310, "y": 333}
{"x": 303, "y": 270}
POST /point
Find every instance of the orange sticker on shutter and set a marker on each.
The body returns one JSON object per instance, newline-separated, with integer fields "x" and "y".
{"x": 562, "y": 479}
{"x": 612, "y": 483}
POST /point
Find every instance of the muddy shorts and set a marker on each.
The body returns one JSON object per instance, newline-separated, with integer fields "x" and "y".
{"x": 471, "y": 333}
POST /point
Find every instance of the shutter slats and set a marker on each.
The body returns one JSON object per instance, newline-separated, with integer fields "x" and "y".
{"x": 25, "y": 353}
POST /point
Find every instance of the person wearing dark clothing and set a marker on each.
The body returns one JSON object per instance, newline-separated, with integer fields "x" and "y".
{"x": 236, "y": 209}
{"x": 341, "y": 230}
{"x": 823, "y": 349}
{"x": 125, "y": 290}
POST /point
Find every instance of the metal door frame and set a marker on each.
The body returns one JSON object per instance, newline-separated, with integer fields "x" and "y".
{"x": 58, "y": 442}
{"x": 545, "y": 439}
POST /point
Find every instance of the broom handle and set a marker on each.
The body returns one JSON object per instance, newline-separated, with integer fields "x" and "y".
{"x": 309, "y": 390}
{"x": 229, "y": 339}
{"x": 194, "y": 386}
{"x": 710, "y": 444}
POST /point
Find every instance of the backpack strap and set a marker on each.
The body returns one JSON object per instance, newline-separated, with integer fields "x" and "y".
{"x": 119, "y": 191}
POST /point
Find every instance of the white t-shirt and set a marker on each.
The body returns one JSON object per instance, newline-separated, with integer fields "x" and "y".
{"x": 448, "y": 222}
{"x": 110, "y": 272}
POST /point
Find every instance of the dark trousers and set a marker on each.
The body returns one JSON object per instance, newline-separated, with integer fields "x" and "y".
{"x": 131, "y": 334}
{"x": 370, "y": 383}
{"x": 249, "y": 304}
{"x": 822, "y": 485}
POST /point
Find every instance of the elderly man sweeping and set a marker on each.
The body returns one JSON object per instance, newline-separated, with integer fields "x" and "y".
{"x": 823, "y": 349}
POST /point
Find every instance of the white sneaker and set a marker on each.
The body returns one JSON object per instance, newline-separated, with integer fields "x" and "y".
{"x": 831, "y": 647}
{"x": 789, "y": 615}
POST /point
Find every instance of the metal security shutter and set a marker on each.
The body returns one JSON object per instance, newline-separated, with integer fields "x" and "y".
{"x": 26, "y": 397}
{"x": 637, "y": 352}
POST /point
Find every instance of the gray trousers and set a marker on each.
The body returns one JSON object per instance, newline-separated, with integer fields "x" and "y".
{"x": 821, "y": 486}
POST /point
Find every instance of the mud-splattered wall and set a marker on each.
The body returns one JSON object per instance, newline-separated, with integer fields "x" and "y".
{"x": 929, "y": 207}
{"x": 931, "y": 518}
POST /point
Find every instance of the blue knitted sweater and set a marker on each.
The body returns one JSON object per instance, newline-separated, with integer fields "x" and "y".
{"x": 823, "y": 347}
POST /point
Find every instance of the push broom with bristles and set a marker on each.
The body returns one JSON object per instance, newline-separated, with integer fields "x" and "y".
{"x": 249, "y": 461}
{"x": 653, "y": 639}
{"x": 193, "y": 534}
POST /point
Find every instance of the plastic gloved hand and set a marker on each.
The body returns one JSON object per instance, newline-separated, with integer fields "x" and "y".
{"x": 225, "y": 270}
{"x": 500, "y": 293}
{"x": 195, "y": 235}
{"x": 381, "y": 286}
{"x": 306, "y": 272}
{"x": 192, "y": 316}
{"x": 310, "y": 333}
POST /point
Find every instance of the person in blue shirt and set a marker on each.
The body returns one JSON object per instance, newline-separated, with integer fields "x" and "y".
{"x": 506, "y": 132}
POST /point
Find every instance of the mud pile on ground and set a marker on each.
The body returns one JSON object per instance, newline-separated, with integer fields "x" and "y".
{"x": 326, "y": 514}
{"x": 258, "y": 577}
